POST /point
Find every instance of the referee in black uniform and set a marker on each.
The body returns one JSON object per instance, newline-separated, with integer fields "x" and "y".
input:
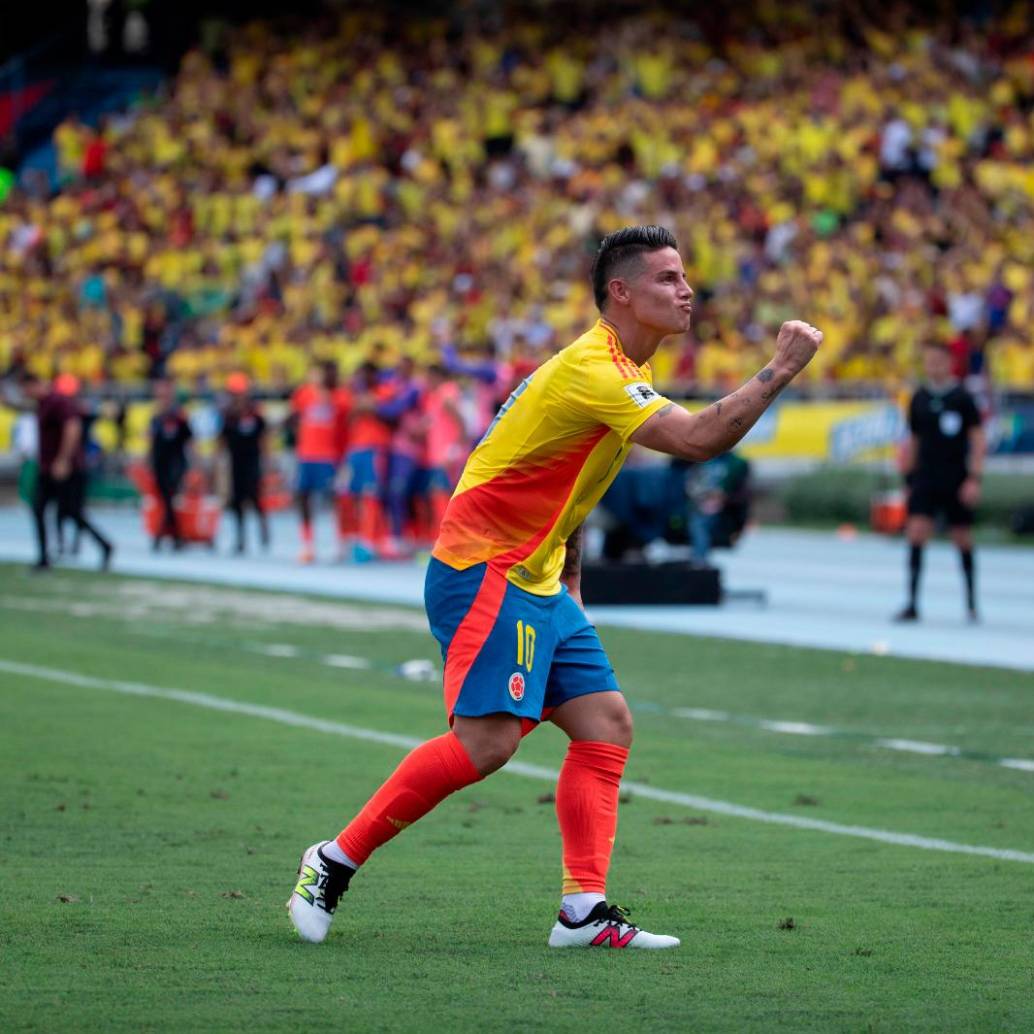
{"x": 943, "y": 465}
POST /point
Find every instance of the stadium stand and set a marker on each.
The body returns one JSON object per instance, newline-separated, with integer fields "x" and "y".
{"x": 373, "y": 187}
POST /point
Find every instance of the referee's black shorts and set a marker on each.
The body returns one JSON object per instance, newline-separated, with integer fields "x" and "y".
{"x": 933, "y": 498}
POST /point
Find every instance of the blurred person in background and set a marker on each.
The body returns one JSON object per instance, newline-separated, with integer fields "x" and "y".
{"x": 243, "y": 435}
{"x": 73, "y": 499}
{"x": 943, "y": 464}
{"x": 366, "y": 463}
{"x": 445, "y": 441}
{"x": 60, "y": 438}
{"x": 402, "y": 413}
{"x": 719, "y": 503}
{"x": 170, "y": 437}
{"x": 319, "y": 413}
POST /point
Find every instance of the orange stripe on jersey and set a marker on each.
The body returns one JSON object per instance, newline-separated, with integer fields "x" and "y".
{"x": 504, "y": 520}
{"x": 473, "y": 630}
{"x": 621, "y": 361}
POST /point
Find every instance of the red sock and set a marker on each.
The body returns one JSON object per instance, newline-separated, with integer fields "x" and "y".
{"x": 587, "y": 809}
{"x": 306, "y": 533}
{"x": 371, "y": 520}
{"x": 427, "y": 775}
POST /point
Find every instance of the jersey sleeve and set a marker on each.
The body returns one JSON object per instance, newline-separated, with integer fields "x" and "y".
{"x": 606, "y": 395}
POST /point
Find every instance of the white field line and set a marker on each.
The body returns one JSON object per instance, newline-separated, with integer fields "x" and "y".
{"x": 918, "y": 747}
{"x": 1021, "y": 763}
{"x": 652, "y": 793}
{"x": 807, "y": 729}
{"x": 344, "y": 660}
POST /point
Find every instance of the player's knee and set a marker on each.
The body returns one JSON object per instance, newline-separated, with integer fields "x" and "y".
{"x": 621, "y": 726}
{"x": 489, "y": 742}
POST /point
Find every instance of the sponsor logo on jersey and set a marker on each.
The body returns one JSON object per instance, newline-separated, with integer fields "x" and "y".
{"x": 516, "y": 686}
{"x": 641, "y": 393}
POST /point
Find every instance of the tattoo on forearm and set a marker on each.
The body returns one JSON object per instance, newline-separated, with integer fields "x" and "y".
{"x": 573, "y": 560}
{"x": 717, "y": 409}
{"x": 736, "y": 422}
{"x": 766, "y": 376}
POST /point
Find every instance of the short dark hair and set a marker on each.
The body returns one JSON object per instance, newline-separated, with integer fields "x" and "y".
{"x": 620, "y": 251}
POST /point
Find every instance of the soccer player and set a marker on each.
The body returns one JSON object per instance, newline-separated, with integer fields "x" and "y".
{"x": 502, "y": 588}
{"x": 366, "y": 462}
{"x": 320, "y": 410}
{"x": 943, "y": 464}
{"x": 445, "y": 440}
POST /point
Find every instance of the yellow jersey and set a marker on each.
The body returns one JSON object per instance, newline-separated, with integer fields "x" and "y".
{"x": 546, "y": 460}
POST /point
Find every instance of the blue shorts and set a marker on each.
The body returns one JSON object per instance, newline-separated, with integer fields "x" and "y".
{"x": 315, "y": 477}
{"x": 508, "y": 650}
{"x": 366, "y": 471}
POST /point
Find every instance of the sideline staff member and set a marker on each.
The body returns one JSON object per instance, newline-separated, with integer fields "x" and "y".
{"x": 60, "y": 467}
{"x": 943, "y": 464}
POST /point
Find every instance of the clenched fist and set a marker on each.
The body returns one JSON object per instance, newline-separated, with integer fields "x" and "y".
{"x": 796, "y": 344}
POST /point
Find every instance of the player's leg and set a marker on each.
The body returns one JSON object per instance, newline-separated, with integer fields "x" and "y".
{"x": 591, "y": 710}
{"x": 471, "y": 750}
{"x": 75, "y": 504}
{"x": 303, "y": 500}
{"x": 918, "y": 530}
{"x": 45, "y": 492}
{"x": 368, "y": 470}
{"x": 236, "y": 507}
{"x": 962, "y": 536}
{"x": 260, "y": 513}
{"x": 469, "y": 618}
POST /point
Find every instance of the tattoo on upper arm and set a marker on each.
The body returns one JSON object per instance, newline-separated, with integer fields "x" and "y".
{"x": 665, "y": 410}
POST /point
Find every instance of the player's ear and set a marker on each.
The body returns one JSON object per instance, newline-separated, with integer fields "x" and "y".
{"x": 618, "y": 290}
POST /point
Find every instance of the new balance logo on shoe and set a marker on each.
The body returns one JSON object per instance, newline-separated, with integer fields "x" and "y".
{"x": 612, "y": 937}
{"x": 309, "y": 877}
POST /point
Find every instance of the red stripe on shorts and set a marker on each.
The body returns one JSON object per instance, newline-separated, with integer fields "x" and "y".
{"x": 472, "y": 633}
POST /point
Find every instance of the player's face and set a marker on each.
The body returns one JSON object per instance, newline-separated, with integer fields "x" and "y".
{"x": 936, "y": 364}
{"x": 660, "y": 296}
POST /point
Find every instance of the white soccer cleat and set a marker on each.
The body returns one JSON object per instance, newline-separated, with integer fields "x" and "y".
{"x": 312, "y": 904}
{"x": 606, "y": 926}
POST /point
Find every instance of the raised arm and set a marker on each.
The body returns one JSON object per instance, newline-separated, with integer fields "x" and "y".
{"x": 700, "y": 436}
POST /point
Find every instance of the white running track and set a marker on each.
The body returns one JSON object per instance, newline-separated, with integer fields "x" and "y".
{"x": 822, "y": 591}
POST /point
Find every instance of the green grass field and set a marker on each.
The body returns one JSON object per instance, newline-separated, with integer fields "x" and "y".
{"x": 147, "y": 845}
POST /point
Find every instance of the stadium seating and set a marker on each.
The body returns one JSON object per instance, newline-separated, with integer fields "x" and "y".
{"x": 364, "y": 187}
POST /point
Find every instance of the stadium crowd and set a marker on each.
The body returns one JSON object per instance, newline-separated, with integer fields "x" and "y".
{"x": 378, "y": 188}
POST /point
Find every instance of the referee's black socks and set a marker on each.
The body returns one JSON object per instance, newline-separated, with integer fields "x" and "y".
{"x": 915, "y": 567}
{"x": 968, "y": 571}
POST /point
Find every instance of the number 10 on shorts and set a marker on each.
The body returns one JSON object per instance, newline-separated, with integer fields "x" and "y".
{"x": 525, "y": 645}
